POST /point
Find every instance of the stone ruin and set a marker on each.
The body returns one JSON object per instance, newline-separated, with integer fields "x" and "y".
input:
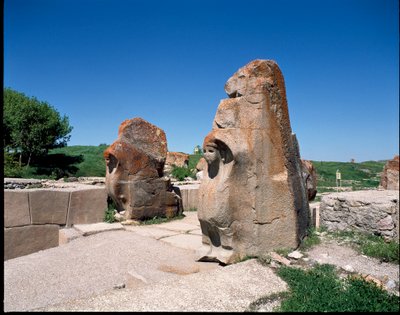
{"x": 252, "y": 197}
{"x": 370, "y": 212}
{"x": 390, "y": 175}
{"x": 175, "y": 159}
{"x": 310, "y": 178}
{"x": 134, "y": 172}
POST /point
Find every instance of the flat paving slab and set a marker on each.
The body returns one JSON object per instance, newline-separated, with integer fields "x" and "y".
{"x": 91, "y": 265}
{"x": 151, "y": 231}
{"x": 228, "y": 289}
{"x": 186, "y": 241}
{"x": 133, "y": 268}
{"x": 178, "y": 226}
{"x": 88, "y": 229}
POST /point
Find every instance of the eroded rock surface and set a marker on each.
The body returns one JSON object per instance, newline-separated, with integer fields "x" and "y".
{"x": 134, "y": 172}
{"x": 372, "y": 211}
{"x": 252, "y": 196}
{"x": 175, "y": 159}
{"x": 390, "y": 174}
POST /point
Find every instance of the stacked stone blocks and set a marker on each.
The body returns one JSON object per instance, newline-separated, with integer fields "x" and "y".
{"x": 373, "y": 212}
{"x": 33, "y": 217}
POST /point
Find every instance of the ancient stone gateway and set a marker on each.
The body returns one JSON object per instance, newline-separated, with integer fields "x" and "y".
{"x": 134, "y": 172}
{"x": 252, "y": 198}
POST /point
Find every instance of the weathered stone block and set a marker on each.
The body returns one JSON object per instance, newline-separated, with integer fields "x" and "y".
{"x": 390, "y": 174}
{"x": 48, "y": 206}
{"x": 25, "y": 240}
{"x": 252, "y": 196}
{"x": 372, "y": 211}
{"x": 16, "y": 208}
{"x": 190, "y": 196}
{"x": 134, "y": 172}
{"x": 66, "y": 235}
{"x": 87, "y": 206}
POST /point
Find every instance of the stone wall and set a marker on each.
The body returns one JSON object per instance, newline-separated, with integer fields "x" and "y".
{"x": 372, "y": 211}
{"x": 33, "y": 217}
{"x": 190, "y": 196}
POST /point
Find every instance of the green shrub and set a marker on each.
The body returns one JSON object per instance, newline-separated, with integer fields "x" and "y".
{"x": 193, "y": 160}
{"x": 321, "y": 290}
{"x": 110, "y": 211}
{"x": 11, "y": 166}
{"x": 181, "y": 173}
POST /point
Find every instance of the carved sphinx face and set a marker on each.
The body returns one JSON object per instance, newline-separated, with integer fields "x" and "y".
{"x": 117, "y": 182}
{"x": 211, "y": 154}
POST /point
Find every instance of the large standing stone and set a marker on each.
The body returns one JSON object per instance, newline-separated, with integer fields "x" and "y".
{"x": 390, "y": 174}
{"x": 134, "y": 172}
{"x": 252, "y": 198}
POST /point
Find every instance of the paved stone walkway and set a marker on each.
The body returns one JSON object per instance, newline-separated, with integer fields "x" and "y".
{"x": 110, "y": 267}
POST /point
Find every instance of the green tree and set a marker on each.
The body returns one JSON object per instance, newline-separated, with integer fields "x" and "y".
{"x": 198, "y": 150}
{"x": 32, "y": 127}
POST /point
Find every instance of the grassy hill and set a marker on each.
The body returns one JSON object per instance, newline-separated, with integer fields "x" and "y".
{"x": 92, "y": 163}
{"x": 355, "y": 175}
{"x": 85, "y": 161}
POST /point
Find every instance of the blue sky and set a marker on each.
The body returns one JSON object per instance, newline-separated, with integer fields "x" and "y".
{"x": 103, "y": 61}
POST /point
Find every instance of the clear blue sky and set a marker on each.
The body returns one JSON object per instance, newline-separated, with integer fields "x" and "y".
{"x": 103, "y": 61}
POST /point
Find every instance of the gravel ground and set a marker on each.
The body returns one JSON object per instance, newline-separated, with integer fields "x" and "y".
{"x": 346, "y": 258}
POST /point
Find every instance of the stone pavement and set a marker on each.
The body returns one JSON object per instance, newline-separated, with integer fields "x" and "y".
{"x": 110, "y": 267}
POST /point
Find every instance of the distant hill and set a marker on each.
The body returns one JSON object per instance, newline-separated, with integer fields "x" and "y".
{"x": 86, "y": 161}
{"x": 92, "y": 164}
{"x": 90, "y": 160}
{"x": 356, "y": 175}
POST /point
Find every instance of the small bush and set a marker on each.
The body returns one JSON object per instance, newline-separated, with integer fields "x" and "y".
{"x": 110, "y": 211}
{"x": 11, "y": 166}
{"x": 321, "y": 290}
{"x": 181, "y": 173}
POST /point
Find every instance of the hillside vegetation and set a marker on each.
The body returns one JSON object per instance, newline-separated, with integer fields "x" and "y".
{"x": 355, "y": 175}
{"x": 85, "y": 161}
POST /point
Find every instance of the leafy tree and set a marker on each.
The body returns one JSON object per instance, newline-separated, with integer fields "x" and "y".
{"x": 32, "y": 127}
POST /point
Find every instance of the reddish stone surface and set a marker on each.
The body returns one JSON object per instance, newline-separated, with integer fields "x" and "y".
{"x": 252, "y": 197}
{"x": 177, "y": 158}
{"x": 134, "y": 172}
{"x": 201, "y": 164}
{"x": 390, "y": 174}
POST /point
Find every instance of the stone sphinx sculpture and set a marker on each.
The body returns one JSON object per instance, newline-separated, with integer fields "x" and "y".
{"x": 252, "y": 197}
{"x": 134, "y": 172}
{"x": 310, "y": 178}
